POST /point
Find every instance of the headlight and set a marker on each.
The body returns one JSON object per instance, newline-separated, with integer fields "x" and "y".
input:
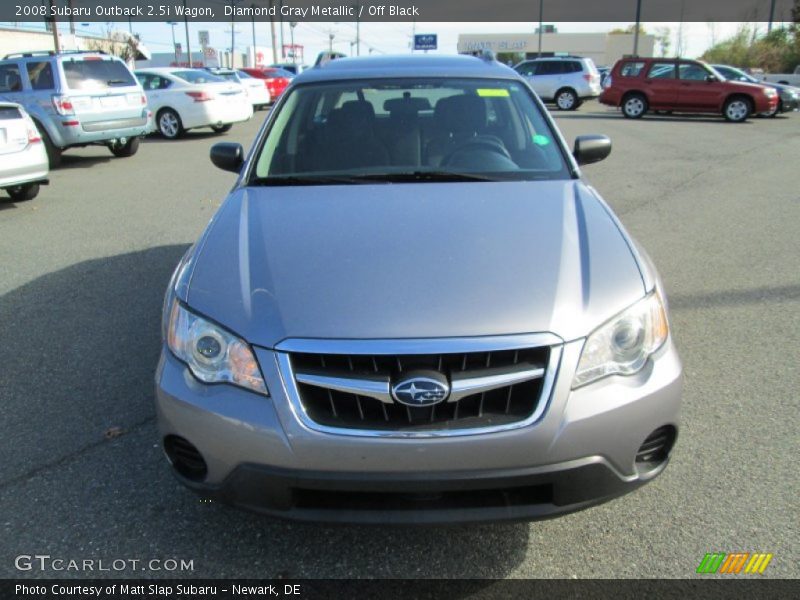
{"x": 622, "y": 345}
{"x": 213, "y": 354}
{"x": 770, "y": 92}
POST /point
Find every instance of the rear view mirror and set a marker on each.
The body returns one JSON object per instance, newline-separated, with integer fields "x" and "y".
{"x": 228, "y": 156}
{"x": 711, "y": 78}
{"x": 591, "y": 148}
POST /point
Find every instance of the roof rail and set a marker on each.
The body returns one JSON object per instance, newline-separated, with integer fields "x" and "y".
{"x": 32, "y": 53}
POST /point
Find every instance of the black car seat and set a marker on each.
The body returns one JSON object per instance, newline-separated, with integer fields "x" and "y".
{"x": 349, "y": 140}
{"x": 457, "y": 120}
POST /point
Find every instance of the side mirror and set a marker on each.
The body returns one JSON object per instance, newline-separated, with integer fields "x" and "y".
{"x": 228, "y": 156}
{"x": 711, "y": 78}
{"x": 591, "y": 148}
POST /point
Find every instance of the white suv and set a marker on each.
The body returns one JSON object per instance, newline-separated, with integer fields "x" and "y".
{"x": 564, "y": 80}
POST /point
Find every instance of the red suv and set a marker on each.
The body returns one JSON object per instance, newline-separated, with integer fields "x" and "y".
{"x": 274, "y": 79}
{"x": 641, "y": 84}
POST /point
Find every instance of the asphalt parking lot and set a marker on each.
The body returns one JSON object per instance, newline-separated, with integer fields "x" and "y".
{"x": 84, "y": 269}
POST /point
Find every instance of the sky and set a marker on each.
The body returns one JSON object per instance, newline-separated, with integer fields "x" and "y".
{"x": 388, "y": 38}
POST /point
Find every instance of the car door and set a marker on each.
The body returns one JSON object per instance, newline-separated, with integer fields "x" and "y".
{"x": 661, "y": 85}
{"x": 699, "y": 89}
{"x": 546, "y": 80}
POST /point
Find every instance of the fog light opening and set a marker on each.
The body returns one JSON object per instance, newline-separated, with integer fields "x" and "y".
{"x": 655, "y": 449}
{"x": 185, "y": 458}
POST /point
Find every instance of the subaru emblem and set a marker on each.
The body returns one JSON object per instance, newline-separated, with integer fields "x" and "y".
{"x": 421, "y": 388}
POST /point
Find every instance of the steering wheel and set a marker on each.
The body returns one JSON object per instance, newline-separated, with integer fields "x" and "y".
{"x": 485, "y": 143}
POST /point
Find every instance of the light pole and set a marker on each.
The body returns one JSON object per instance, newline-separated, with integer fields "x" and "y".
{"x": 186, "y": 24}
{"x": 330, "y": 41}
{"x": 636, "y": 30}
{"x": 771, "y": 16}
{"x": 253, "y": 23}
{"x": 174, "y": 45}
{"x": 541, "y": 27}
{"x": 283, "y": 48}
{"x": 292, "y": 25}
{"x": 272, "y": 33}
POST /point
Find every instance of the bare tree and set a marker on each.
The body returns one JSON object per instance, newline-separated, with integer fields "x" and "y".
{"x": 664, "y": 40}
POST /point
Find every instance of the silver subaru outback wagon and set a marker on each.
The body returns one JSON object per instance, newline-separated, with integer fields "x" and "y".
{"x": 412, "y": 308}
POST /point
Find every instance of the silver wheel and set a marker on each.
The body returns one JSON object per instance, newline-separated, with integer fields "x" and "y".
{"x": 634, "y": 107}
{"x": 169, "y": 124}
{"x": 566, "y": 100}
{"x": 737, "y": 110}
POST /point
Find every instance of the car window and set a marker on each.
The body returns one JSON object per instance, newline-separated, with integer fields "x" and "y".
{"x": 662, "y": 71}
{"x": 526, "y": 69}
{"x": 9, "y": 112}
{"x": 10, "y": 81}
{"x": 631, "y": 69}
{"x": 572, "y": 66}
{"x": 692, "y": 72}
{"x": 549, "y": 67}
{"x": 244, "y": 75}
{"x": 197, "y": 76}
{"x": 96, "y": 73}
{"x": 394, "y": 127}
{"x": 40, "y": 75}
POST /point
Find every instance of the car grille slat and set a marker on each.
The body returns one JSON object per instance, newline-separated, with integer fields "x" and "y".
{"x": 357, "y": 407}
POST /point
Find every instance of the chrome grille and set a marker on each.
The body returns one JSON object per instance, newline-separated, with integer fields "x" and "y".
{"x": 351, "y": 391}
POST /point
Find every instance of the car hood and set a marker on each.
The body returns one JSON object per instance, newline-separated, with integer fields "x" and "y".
{"x": 413, "y": 260}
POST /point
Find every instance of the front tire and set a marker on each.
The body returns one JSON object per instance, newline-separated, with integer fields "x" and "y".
{"x": 737, "y": 109}
{"x": 125, "y": 150}
{"x": 222, "y": 128}
{"x": 20, "y": 193}
{"x": 566, "y": 99}
{"x": 169, "y": 124}
{"x": 634, "y": 106}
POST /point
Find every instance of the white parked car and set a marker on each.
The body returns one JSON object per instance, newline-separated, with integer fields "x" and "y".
{"x": 23, "y": 158}
{"x": 257, "y": 90}
{"x": 566, "y": 81}
{"x": 184, "y": 99}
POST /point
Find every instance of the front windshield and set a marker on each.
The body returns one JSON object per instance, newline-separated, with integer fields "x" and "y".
{"x": 402, "y": 130}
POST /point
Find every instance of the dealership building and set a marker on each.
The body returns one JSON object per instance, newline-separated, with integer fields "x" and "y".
{"x": 604, "y": 48}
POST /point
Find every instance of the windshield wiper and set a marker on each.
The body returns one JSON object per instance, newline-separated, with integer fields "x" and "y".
{"x": 402, "y": 177}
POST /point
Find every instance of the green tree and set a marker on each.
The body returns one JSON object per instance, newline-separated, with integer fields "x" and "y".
{"x": 776, "y": 52}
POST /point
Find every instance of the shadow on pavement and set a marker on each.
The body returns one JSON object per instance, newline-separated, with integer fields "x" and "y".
{"x": 79, "y": 348}
{"x": 76, "y": 161}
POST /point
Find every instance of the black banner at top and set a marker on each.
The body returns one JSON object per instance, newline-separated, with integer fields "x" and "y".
{"x": 401, "y": 10}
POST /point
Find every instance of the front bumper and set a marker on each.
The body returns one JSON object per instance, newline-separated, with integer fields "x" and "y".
{"x": 259, "y": 455}
{"x": 788, "y": 103}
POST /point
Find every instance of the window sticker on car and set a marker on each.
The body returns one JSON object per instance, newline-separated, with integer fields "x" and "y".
{"x": 541, "y": 140}
{"x": 493, "y": 93}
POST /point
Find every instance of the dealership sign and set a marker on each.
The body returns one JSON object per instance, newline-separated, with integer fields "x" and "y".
{"x": 425, "y": 41}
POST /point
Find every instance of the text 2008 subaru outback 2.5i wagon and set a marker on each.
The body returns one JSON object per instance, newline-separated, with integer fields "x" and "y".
{"x": 412, "y": 308}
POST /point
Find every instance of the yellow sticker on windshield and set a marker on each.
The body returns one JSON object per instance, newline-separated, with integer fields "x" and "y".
{"x": 493, "y": 93}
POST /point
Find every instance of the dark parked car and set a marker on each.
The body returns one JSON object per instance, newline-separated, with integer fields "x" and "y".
{"x": 637, "y": 85}
{"x": 788, "y": 95}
